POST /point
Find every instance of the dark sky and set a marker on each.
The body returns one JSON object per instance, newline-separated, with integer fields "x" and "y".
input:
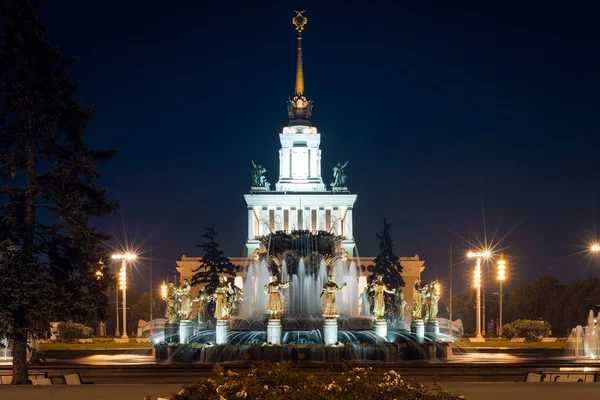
{"x": 443, "y": 110}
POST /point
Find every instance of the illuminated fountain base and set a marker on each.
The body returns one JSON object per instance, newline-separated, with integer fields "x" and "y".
{"x": 330, "y": 331}
{"x": 172, "y": 332}
{"x": 432, "y": 330}
{"x": 186, "y": 328}
{"x": 274, "y": 331}
{"x": 417, "y": 330}
{"x": 221, "y": 332}
{"x": 381, "y": 328}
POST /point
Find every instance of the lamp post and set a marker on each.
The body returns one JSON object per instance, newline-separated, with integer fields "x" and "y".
{"x": 501, "y": 278}
{"x": 124, "y": 257}
{"x": 595, "y": 248}
{"x": 477, "y": 284}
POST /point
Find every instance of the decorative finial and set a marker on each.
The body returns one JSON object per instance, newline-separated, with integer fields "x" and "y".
{"x": 299, "y": 108}
{"x": 299, "y": 20}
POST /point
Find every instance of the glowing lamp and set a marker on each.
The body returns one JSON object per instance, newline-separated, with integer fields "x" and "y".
{"x": 437, "y": 289}
{"x": 501, "y": 270}
{"x": 477, "y": 277}
{"x": 124, "y": 256}
{"x": 595, "y": 247}
{"x": 163, "y": 290}
{"x": 123, "y": 279}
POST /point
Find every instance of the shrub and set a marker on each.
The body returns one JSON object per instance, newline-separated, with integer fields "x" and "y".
{"x": 70, "y": 331}
{"x": 281, "y": 381}
{"x": 531, "y": 330}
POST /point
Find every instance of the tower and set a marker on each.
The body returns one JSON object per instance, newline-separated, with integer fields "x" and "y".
{"x": 301, "y": 200}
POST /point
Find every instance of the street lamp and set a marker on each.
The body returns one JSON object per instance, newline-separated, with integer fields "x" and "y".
{"x": 501, "y": 278}
{"x": 595, "y": 248}
{"x": 124, "y": 257}
{"x": 163, "y": 290}
{"x": 477, "y": 284}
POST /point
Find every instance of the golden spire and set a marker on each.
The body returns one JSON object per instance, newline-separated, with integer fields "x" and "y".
{"x": 299, "y": 21}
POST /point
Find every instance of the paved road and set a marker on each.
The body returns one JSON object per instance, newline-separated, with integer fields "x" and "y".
{"x": 472, "y": 391}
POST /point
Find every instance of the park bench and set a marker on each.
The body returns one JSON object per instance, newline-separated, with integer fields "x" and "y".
{"x": 74, "y": 379}
{"x": 45, "y": 381}
{"x": 559, "y": 376}
{"x": 6, "y": 377}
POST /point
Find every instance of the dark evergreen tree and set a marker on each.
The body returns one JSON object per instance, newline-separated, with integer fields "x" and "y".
{"x": 388, "y": 265}
{"x": 214, "y": 263}
{"x": 49, "y": 253}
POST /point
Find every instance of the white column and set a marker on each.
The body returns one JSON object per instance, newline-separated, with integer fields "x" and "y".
{"x": 336, "y": 222}
{"x": 307, "y": 216}
{"x": 264, "y": 221}
{"x": 321, "y": 219}
{"x": 250, "y": 223}
{"x": 349, "y": 233}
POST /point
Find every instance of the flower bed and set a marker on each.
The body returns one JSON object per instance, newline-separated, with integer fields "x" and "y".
{"x": 280, "y": 381}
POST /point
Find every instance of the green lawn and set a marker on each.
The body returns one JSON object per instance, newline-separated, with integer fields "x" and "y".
{"x": 506, "y": 343}
{"x": 95, "y": 346}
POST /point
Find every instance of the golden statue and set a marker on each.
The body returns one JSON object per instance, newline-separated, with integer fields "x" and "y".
{"x": 418, "y": 301}
{"x": 275, "y": 305}
{"x": 329, "y": 306}
{"x": 434, "y": 294}
{"x": 185, "y": 310}
{"x": 379, "y": 288}
{"x": 220, "y": 296}
{"x": 202, "y": 301}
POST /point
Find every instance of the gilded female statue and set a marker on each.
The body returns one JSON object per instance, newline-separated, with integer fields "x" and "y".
{"x": 401, "y": 305}
{"x": 202, "y": 301}
{"x": 329, "y": 306}
{"x": 172, "y": 300}
{"x": 186, "y": 300}
{"x": 379, "y": 288}
{"x": 432, "y": 305}
{"x": 418, "y": 301}
{"x": 220, "y": 296}
{"x": 275, "y": 305}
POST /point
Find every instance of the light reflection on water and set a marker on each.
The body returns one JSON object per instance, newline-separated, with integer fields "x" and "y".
{"x": 107, "y": 359}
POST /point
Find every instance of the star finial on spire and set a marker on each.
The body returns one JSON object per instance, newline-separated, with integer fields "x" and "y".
{"x": 299, "y": 20}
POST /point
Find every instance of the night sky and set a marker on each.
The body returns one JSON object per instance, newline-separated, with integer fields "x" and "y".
{"x": 445, "y": 112}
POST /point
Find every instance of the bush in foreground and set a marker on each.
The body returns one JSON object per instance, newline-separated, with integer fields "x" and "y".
{"x": 281, "y": 381}
{"x": 529, "y": 329}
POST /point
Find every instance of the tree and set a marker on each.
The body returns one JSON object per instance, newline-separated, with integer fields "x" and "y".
{"x": 141, "y": 308}
{"x": 48, "y": 250}
{"x": 387, "y": 264}
{"x": 214, "y": 263}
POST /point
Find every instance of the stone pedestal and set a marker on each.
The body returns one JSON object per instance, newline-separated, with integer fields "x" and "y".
{"x": 432, "y": 330}
{"x": 186, "y": 329}
{"x": 330, "y": 331}
{"x": 381, "y": 328}
{"x": 417, "y": 329}
{"x": 222, "y": 330}
{"x": 274, "y": 331}
{"x": 171, "y": 332}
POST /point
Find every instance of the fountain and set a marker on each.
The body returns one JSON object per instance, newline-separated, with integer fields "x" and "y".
{"x": 584, "y": 341}
{"x": 282, "y": 316}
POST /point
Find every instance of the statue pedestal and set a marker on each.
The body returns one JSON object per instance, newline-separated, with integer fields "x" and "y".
{"x": 330, "y": 331}
{"x": 417, "y": 329}
{"x": 186, "y": 329}
{"x": 274, "y": 331}
{"x": 432, "y": 330}
{"x": 222, "y": 330}
{"x": 381, "y": 328}
{"x": 172, "y": 332}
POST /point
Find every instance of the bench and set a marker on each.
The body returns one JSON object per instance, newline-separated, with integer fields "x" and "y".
{"x": 6, "y": 379}
{"x": 73, "y": 379}
{"x": 46, "y": 381}
{"x": 559, "y": 376}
